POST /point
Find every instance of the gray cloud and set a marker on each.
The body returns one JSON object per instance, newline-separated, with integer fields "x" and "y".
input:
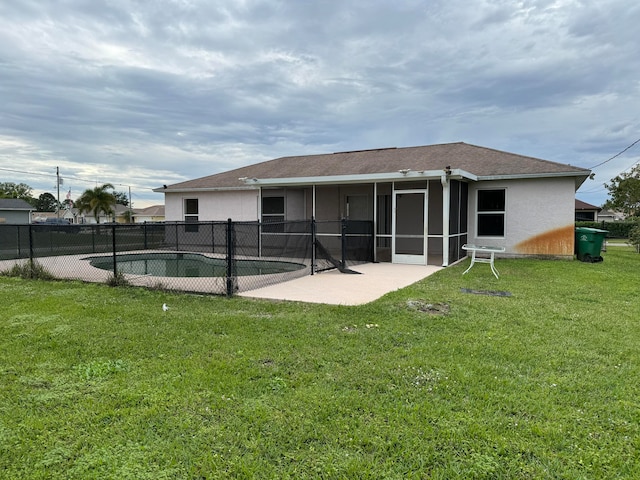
{"x": 144, "y": 93}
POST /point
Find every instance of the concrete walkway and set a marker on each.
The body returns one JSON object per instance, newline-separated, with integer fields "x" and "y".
{"x": 333, "y": 287}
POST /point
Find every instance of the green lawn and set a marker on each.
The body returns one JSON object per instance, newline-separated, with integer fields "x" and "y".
{"x": 427, "y": 382}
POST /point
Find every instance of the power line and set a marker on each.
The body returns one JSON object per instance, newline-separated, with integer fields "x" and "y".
{"x": 53, "y": 175}
{"x": 616, "y": 155}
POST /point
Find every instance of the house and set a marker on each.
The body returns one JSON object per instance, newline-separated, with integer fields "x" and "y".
{"x": 610, "y": 216}
{"x": 121, "y": 214}
{"x": 15, "y": 210}
{"x": 425, "y": 202}
{"x": 586, "y": 212}
{"x": 154, "y": 213}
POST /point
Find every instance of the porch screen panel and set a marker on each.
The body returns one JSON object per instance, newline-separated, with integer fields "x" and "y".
{"x": 454, "y": 211}
{"x": 458, "y": 219}
{"x": 435, "y": 207}
{"x": 464, "y": 208}
{"x": 455, "y": 248}
{"x": 409, "y": 224}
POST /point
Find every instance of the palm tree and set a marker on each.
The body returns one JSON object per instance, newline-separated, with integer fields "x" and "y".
{"x": 97, "y": 200}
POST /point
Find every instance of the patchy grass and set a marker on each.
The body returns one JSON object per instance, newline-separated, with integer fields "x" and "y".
{"x": 427, "y": 382}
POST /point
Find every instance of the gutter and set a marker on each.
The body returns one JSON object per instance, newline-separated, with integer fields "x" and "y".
{"x": 360, "y": 178}
{"x": 580, "y": 177}
{"x": 204, "y": 189}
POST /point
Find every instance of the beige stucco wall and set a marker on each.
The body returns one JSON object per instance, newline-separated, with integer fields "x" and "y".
{"x": 539, "y": 216}
{"x": 240, "y": 206}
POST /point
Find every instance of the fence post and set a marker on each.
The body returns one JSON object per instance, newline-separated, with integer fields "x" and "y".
{"x": 343, "y": 241}
{"x": 144, "y": 234}
{"x": 230, "y": 258}
{"x": 113, "y": 242}
{"x": 30, "y": 248}
{"x": 19, "y": 245}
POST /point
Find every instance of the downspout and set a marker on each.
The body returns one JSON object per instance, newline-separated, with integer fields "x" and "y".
{"x": 446, "y": 211}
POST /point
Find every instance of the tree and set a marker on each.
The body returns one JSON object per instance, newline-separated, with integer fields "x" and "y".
{"x": 16, "y": 190}
{"x": 97, "y": 200}
{"x": 46, "y": 202}
{"x": 121, "y": 198}
{"x": 634, "y": 237}
{"x": 624, "y": 191}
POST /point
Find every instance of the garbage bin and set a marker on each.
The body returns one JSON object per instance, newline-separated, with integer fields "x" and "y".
{"x": 589, "y": 244}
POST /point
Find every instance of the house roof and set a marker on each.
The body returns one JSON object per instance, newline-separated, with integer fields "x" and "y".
{"x": 478, "y": 163}
{"x": 580, "y": 205}
{"x": 152, "y": 211}
{"x": 14, "y": 204}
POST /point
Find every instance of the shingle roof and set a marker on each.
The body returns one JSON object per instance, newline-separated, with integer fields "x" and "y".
{"x": 580, "y": 205}
{"x": 152, "y": 211}
{"x": 14, "y": 204}
{"x": 480, "y": 161}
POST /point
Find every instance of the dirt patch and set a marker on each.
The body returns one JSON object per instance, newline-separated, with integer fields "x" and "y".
{"x": 486, "y": 292}
{"x": 430, "y": 308}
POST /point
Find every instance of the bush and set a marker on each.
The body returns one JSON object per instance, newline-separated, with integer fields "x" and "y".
{"x": 118, "y": 280}
{"x": 634, "y": 237}
{"x": 28, "y": 270}
{"x": 615, "y": 229}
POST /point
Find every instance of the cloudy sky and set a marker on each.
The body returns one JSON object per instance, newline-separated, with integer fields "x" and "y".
{"x": 141, "y": 93}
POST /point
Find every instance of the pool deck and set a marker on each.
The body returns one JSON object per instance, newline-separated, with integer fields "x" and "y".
{"x": 330, "y": 287}
{"x": 335, "y": 288}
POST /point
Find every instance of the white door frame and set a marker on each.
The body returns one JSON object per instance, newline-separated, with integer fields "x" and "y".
{"x": 406, "y": 258}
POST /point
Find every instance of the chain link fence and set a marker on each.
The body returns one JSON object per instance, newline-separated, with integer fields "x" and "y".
{"x": 205, "y": 257}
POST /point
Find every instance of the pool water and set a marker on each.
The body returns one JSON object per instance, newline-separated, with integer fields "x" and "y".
{"x": 189, "y": 265}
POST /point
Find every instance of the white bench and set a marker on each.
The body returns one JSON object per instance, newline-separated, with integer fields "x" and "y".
{"x": 491, "y": 251}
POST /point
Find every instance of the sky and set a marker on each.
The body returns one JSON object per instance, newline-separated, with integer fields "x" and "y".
{"x": 151, "y": 92}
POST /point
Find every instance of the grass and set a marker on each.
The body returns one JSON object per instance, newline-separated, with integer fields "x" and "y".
{"x": 427, "y": 382}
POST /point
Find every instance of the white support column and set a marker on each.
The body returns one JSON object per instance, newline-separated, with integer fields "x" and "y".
{"x": 446, "y": 210}
{"x": 259, "y": 209}
{"x": 375, "y": 221}
{"x": 313, "y": 201}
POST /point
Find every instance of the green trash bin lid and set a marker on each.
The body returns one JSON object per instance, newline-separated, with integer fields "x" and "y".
{"x": 590, "y": 230}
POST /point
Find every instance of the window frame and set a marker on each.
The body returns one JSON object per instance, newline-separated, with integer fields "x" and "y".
{"x": 273, "y": 216}
{"x": 493, "y": 212}
{"x": 191, "y": 219}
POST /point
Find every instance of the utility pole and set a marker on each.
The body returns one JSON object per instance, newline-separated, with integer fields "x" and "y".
{"x": 130, "y": 206}
{"x": 58, "y": 185}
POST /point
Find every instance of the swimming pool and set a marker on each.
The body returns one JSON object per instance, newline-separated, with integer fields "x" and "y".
{"x": 176, "y": 264}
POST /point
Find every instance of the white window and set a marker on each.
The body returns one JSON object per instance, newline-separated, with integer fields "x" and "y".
{"x": 273, "y": 212}
{"x": 491, "y": 213}
{"x": 191, "y": 214}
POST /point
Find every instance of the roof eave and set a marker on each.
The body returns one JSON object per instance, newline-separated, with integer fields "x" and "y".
{"x": 204, "y": 189}
{"x": 401, "y": 175}
{"x": 580, "y": 177}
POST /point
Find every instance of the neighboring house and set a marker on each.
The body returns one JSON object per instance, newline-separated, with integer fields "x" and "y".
{"x": 586, "y": 212}
{"x": 15, "y": 210}
{"x": 425, "y": 202}
{"x": 120, "y": 215}
{"x": 154, "y": 213}
{"x": 610, "y": 216}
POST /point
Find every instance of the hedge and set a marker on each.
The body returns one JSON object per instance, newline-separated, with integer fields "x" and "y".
{"x": 615, "y": 229}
